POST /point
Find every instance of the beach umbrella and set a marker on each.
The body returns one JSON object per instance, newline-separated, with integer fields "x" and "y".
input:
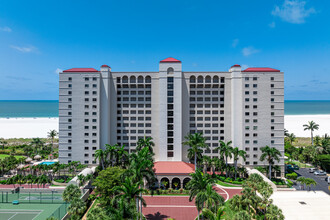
{"x": 28, "y": 160}
{"x": 20, "y": 166}
{"x": 37, "y": 157}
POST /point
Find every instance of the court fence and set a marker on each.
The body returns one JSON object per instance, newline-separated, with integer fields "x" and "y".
{"x": 51, "y": 197}
{"x": 60, "y": 212}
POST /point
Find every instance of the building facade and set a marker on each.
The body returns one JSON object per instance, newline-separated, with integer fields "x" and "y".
{"x": 106, "y": 107}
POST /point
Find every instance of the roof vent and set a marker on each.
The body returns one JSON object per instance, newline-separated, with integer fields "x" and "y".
{"x": 303, "y": 203}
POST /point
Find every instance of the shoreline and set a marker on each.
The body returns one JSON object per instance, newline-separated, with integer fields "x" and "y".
{"x": 29, "y": 127}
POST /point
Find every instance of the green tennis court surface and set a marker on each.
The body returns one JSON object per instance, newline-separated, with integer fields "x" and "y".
{"x": 31, "y": 211}
{"x": 19, "y": 214}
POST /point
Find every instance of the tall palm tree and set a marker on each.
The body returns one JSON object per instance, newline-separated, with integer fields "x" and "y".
{"x": 236, "y": 155}
{"x": 197, "y": 185}
{"x": 100, "y": 155}
{"x": 145, "y": 142}
{"x": 71, "y": 192}
{"x": 121, "y": 155}
{"x": 196, "y": 141}
{"x": 110, "y": 152}
{"x": 225, "y": 150}
{"x": 312, "y": 126}
{"x": 309, "y": 182}
{"x": 270, "y": 154}
{"x": 3, "y": 142}
{"x": 52, "y": 134}
{"x": 131, "y": 192}
{"x": 208, "y": 198}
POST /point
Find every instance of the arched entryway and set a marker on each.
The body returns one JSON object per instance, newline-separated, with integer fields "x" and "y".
{"x": 164, "y": 183}
{"x": 176, "y": 183}
{"x": 185, "y": 181}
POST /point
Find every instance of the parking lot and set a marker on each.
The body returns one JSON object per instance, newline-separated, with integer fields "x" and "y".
{"x": 321, "y": 183}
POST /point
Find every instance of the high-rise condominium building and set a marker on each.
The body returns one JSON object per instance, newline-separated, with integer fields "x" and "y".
{"x": 106, "y": 107}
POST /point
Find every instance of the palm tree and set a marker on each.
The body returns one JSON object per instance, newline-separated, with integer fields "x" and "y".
{"x": 195, "y": 141}
{"x": 121, "y": 155}
{"x": 76, "y": 208}
{"x": 291, "y": 137}
{"x": 197, "y": 186}
{"x": 145, "y": 142}
{"x": 52, "y": 134}
{"x": 130, "y": 192}
{"x": 208, "y": 198}
{"x": 3, "y": 142}
{"x": 225, "y": 149}
{"x": 274, "y": 213}
{"x": 208, "y": 214}
{"x": 309, "y": 182}
{"x": 37, "y": 143}
{"x": 270, "y": 154}
{"x": 312, "y": 126}
{"x": 110, "y": 151}
{"x": 100, "y": 155}
{"x": 236, "y": 155}
{"x": 71, "y": 192}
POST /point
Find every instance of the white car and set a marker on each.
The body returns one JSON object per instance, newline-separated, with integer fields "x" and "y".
{"x": 320, "y": 173}
{"x": 327, "y": 179}
{"x": 312, "y": 170}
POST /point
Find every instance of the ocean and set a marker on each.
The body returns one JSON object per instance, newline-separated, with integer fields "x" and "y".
{"x": 49, "y": 108}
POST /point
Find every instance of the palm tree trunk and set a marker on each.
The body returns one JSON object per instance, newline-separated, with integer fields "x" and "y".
{"x": 270, "y": 171}
{"x": 312, "y": 138}
{"x": 226, "y": 168}
{"x": 195, "y": 161}
{"x": 137, "y": 207}
{"x": 235, "y": 169}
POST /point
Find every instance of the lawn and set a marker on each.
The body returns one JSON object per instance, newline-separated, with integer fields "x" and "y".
{"x": 3, "y": 156}
{"x": 226, "y": 184}
{"x": 302, "y": 142}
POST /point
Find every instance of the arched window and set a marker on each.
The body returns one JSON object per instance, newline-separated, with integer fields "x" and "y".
{"x": 208, "y": 79}
{"x": 132, "y": 79}
{"x": 170, "y": 70}
{"x": 215, "y": 79}
{"x": 192, "y": 79}
{"x": 200, "y": 79}
{"x": 148, "y": 79}
{"x": 140, "y": 79}
{"x": 125, "y": 79}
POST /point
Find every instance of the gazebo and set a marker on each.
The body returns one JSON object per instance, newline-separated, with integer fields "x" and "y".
{"x": 175, "y": 174}
{"x": 28, "y": 160}
{"x": 37, "y": 157}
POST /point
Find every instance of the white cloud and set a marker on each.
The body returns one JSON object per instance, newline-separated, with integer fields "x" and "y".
{"x": 272, "y": 25}
{"x": 27, "y": 49}
{"x": 293, "y": 11}
{"x": 247, "y": 51}
{"x": 58, "y": 70}
{"x": 5, "y": 29}
{"x": 235, "y": 43}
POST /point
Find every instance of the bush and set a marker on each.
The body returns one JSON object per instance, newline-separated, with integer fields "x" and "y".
{"x": 291, "y": 176}
{"x": 228, "y": 180}
{"x": 324, "y": 161}
{"x": 289, "y": 183}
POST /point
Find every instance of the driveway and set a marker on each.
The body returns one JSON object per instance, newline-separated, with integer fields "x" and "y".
{"x": 321, "y": 183}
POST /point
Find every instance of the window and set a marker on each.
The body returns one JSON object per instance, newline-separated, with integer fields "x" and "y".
{"x": 170, "y": 70}
{"x": 246, "y": 78}
{"x": 70, "y": 85}
{"x": 255, "y": 78}
{"x": 246, "y": 85}
{"x": 272, "y": 85}
{"x": 170, "y": 154}
{"x": 247, "y": 92}
{"x": 255, "y": 85}
{"x": 272, "y": 78}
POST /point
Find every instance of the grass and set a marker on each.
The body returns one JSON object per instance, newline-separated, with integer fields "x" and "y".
{"x": 302, "y": 142}
{"x": 3, "y": 156}
{"x": 226, "y": 184}
{"x": 301, "y": 165}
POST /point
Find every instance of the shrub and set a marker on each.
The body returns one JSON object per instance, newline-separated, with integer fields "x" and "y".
{"x": 228, "y": 180}
{"x": 237, "y": 182}
{"x": 291, "y": 176}
{"x": 289, "y": 183}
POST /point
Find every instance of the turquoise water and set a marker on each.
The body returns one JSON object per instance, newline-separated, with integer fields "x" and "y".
{"x": 24, "y": 109}
{"x": 47, "y": 163}
{"x": 49, "y": 108}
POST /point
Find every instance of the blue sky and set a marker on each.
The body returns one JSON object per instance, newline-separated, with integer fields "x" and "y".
{"x": 39, "y": 38}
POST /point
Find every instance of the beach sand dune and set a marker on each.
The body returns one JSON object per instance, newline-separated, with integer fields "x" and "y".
{"x": 27, "y": 127}
{"x": 39, "y": 127}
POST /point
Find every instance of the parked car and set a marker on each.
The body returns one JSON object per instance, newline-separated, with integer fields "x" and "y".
{"x": 320, "y": 173}
{"x": 327, "y": 179}
{"x": 296, "y": 167}
{"x": 312, "y": 170}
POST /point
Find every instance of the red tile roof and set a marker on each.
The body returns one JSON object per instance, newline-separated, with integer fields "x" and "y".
{"x": 170, "y": 60}
{"x": 261, "y": 69}
{"x": 105, "y": 65}
{"x": 81, "y": 70}
{"x": 236, "y": 65}
{"x": 173, "y": 168}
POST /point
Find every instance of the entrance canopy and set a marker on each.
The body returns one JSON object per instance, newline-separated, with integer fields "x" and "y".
{"x": 163, "y": 168}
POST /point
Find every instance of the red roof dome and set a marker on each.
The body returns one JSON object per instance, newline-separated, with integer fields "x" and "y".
{"x": 173, "y": 168}
{"x": 170, "y": 60}
{"x": 81, "y": 70}
{"x": 261, "y": 69}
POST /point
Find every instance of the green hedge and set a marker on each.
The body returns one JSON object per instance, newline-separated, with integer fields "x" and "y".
{"x": 168, "y": 191}
{"x": 324, "y": 161}
{"x": 291, "y": 176}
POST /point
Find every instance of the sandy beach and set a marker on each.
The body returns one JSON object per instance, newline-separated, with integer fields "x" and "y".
{"x": 294, "y": 124}
{"x": 38, "y": 127}
{"x": 27, "y": 127}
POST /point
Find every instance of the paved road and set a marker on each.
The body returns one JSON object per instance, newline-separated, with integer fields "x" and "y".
{"x": 321, "y": 183}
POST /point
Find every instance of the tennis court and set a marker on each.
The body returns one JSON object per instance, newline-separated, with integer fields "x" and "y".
{"x": 12, "y": 214}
